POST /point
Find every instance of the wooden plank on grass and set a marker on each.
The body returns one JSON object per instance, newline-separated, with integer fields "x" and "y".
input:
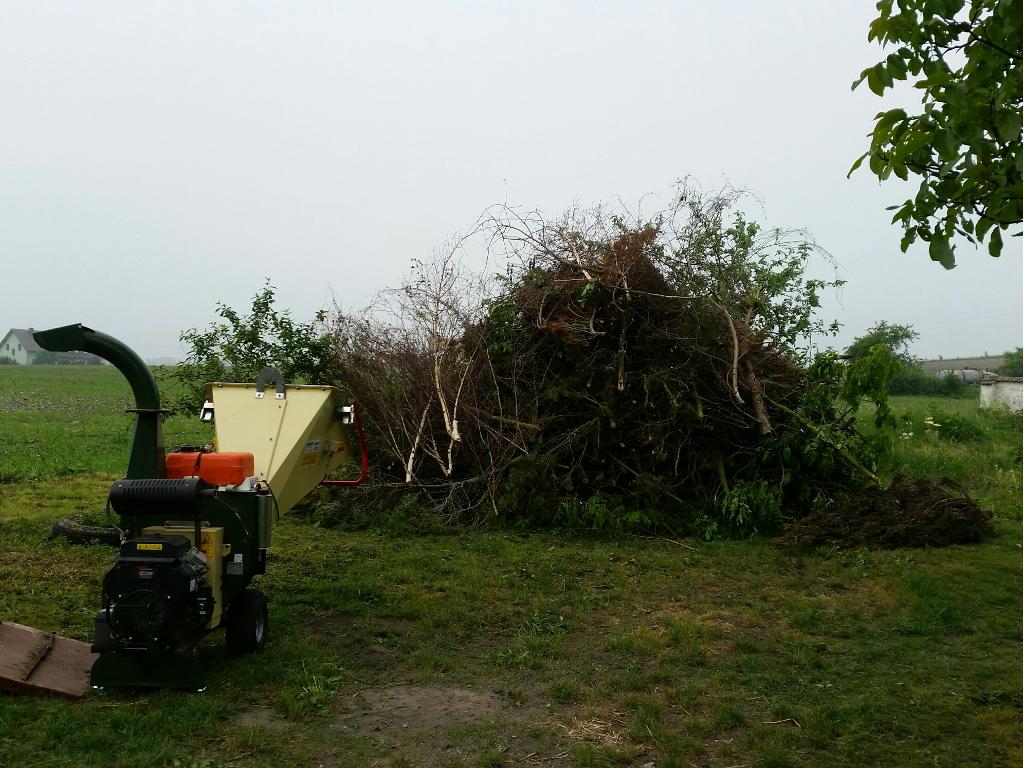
{"x": 43, "y": 662}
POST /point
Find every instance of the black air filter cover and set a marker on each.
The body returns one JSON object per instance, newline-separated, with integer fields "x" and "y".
{"x": 158, "y": 496}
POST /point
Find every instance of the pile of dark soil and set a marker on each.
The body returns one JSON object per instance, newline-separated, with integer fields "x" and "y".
{"x": 909, "y": 513}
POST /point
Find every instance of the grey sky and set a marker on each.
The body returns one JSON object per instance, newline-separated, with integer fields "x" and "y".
{"x": 158, "y": 157}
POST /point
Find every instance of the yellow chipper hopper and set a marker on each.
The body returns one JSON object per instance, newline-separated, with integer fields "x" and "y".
{"x": 297, "y": 434}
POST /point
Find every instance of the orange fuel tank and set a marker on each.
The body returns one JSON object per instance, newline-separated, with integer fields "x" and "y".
{"x": 226, "y": 468}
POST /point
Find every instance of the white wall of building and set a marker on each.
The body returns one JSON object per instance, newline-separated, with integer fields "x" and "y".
{"x": 1003, "y": 393}
{"x": 12, "y": 348}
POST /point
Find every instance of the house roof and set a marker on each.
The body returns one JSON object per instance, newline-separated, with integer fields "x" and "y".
{"x": 25, "y": 338}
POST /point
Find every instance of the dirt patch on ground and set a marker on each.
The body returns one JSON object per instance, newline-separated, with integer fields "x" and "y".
{"x": 330, "y": 623}
{"x": 443, "y": 725}
{"x": 263, "y": 718}
{"x": 365, "y": 639}
{"x": 909, "y": 513}
{"x": 410, "y": 709}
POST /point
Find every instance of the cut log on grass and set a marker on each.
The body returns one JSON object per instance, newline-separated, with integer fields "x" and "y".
{"x": 77, "y": 533}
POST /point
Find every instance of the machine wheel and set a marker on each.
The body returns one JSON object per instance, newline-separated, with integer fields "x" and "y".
{"x": 246, "y": 627}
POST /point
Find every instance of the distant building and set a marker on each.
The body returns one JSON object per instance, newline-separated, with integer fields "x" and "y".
{"x": 984, "y": 363}
{"x": 1003, "y": 392}
{"x": 19, "y": 345}
{"x": 966, "y": 375}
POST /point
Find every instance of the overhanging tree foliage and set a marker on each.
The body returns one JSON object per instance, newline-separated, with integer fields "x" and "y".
{"x": 965, "y": 144}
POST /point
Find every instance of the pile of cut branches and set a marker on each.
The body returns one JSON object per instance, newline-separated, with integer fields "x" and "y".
{"x": 621, "y": 372}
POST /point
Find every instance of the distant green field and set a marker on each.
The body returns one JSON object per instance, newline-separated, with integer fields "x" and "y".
{"x": 70, "y": 420}
{"x": 495, "y": 648}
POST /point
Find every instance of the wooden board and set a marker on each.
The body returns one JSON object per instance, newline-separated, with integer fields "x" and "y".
{"x": 43, "y": 662}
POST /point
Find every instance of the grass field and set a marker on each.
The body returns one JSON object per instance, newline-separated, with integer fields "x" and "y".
{"x": 498, "y": 648}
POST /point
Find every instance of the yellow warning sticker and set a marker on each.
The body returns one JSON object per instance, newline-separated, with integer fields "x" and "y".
{"x": 310, "y": 453}
{"x": 151, "y": 547}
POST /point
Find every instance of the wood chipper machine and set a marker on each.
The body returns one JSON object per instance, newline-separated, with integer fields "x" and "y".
{"x": 196, "y": 523}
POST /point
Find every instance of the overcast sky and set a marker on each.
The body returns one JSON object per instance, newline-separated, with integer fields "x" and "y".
{"x": 158, "y": 157}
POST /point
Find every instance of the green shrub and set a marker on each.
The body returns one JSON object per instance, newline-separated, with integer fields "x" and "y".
{"x": 750, "y": 507}
{"x": 242, "y": 345}
{"x": 914, "y": 380}
{"x": 959, "y": 429}
{"x": 946, "y": 425}
{"x": 601, "y": 512}
{"x": 1013, "y": 363}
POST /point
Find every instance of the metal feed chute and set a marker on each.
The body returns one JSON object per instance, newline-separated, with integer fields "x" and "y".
{"x": 297, "y": 434}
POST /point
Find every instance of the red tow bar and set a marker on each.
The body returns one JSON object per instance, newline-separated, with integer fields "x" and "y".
{"x": 365, "y": 464}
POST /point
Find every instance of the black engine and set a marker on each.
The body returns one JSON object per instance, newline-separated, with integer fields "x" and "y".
{"x": 155, "y": 597}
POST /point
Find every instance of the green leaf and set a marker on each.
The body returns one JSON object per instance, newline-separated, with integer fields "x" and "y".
{"x": 875, "y": 82}
{"x": 860, "y": 79}
{"x": 897, "y": 67}
{"x": 857, "y": 164}
{"x": 909, "y": 237}
{"x": 939, "y": 250}
{"x": 1008, "y": 125}
{"x": 995, "y": 243}
{"x": 946, "y": 144}
{"x": 878, "y": 29}
{"x": 912, "y": 141}
{"x": 903, "y": 214}
{"x": 885, "y": 123}
{"x": 947, "y": 189}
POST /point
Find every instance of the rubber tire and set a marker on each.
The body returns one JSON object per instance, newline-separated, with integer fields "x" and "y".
{"x": 76, "y": 533}
{"x": 247, "y": 624}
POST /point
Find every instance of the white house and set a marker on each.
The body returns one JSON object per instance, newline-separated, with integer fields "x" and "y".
{"x": 19, "y": 346}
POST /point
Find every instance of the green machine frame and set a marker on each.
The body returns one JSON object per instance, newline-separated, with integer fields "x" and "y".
{"x": 309, "y": 435}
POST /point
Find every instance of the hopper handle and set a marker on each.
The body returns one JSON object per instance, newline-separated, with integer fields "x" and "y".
{"x": 365, "y": 458}
{"x": 270, "y": 376}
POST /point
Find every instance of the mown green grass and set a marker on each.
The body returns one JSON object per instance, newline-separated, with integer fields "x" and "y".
{"x": 606, "y": 652}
